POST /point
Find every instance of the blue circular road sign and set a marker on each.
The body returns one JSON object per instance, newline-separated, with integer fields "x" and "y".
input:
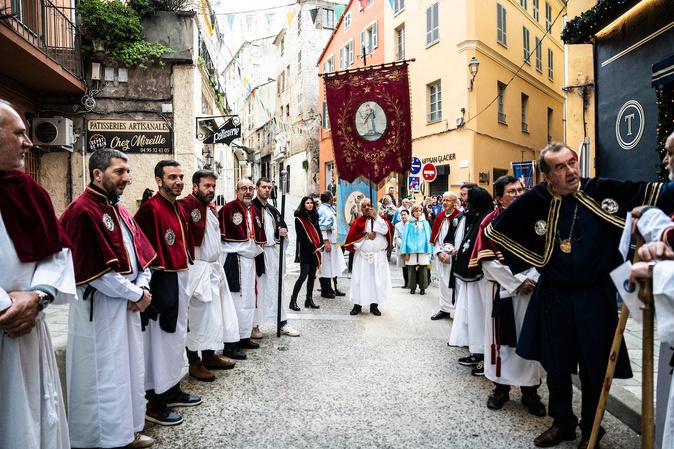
{"x": 416, "y": 165}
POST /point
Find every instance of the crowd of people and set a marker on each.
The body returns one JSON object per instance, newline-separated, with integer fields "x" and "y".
{"x": 524, "y": 275}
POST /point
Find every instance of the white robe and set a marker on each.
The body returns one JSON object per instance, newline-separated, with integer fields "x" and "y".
{"x": 444, "y": 269}
{"x": 370, "y": 278}
{"x": 332, "y": 263}
{"x": 267, "y": 284}
{"x": 514, "y": 369}
{"x": 663, "y": 295}
{"x": 104, "y": 362}
{"x": 245, "y": 301}
{"x": 211, "y": 313}
{"x": 464, "y": 290}
{"x": 32, "y": 415}
{"x": 164, "y": 351}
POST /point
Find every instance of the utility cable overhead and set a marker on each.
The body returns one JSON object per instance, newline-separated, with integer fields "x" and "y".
{"x": 234, "y": 13}
{"x": 519, "y": 69}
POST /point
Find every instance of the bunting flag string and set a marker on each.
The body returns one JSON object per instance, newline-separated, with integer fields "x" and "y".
{"x": 314, "y": 14}
{"x": 291, "y": 16}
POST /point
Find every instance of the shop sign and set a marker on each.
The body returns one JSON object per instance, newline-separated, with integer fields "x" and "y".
{"x": 439, "y": 160}
{"x": 130, "y": 136}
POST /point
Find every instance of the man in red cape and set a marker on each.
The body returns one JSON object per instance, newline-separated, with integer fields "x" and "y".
{"x": 37, "y": 269}
{"x": 162, "y": 219}
{"x": 369, "y": 237}
{"x": 242, "y": 235}
{"x": 442, "y": 239}
{"x": 112, "y": 256}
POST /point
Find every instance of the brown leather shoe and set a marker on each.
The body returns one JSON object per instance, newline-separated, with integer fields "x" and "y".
{"x": 585, "y": 442}
{"x": 219, "y": 363}
{"x": 199, "y": 372}
{"x": 555, "y": 435}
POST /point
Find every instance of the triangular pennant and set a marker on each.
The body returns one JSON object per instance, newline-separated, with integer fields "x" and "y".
{"x": 339, "y": 10}
{"x": 230, "y": 20}
{"x": 291, "y": 16}
{"x": 314, "y": 13}
{"x": 363, "y": 4}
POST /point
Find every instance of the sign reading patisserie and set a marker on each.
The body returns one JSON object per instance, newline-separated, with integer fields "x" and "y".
{"x": 130, "y": 136}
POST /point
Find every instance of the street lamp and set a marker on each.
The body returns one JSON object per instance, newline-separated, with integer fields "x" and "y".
{"x": 473, "y": 67}
{"x": 208, "y": 160}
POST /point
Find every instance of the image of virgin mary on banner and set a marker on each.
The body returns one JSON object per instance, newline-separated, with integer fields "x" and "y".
{"x": 369, "y": 112}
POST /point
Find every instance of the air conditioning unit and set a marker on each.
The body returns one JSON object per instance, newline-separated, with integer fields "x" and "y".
{"x": 53, "y": 132}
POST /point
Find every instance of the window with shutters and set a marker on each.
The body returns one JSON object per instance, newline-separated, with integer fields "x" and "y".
{"x": 346, "y": 55}
{"x": 523, "y": 4}
{"x": 368, "y": 38}
{"x": 525, "y": 105}
{"x": 329, "y": 64}
{"x": 433, "y": 24}
{"x": 328, "y": 18}
{"x": 325, "y": 119}
{"x": 539, "y": 55}
{"x": 398, "y": 5}
{"x": 501, "y": 36}
{"x": 536, "y": 12}
{"x": 400, "y": 42}
{"x": 550, "y": 70}
{"x": 525, "y": 42}
{"x": 347, "y": 21}
{"x": 548, "y": 17}
{"x": 500, "y": 88}
{"x": 434, "y": 95}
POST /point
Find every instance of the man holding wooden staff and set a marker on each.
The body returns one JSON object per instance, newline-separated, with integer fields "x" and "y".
{"x": 569, "y": 229}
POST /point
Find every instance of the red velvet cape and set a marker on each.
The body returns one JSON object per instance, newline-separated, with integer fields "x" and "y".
{"x": 312, "y": 235}
{"x": 29, "y": 217}
{"x": 357, "y": 233}
{"x": 233, "y": 226}
{"x": 437, "y": 223}
{"x": 195, "y": 214}
{"x": 485, "y": 248}
{"x": 93, "y": 225}
{"x": 164, "y": 225}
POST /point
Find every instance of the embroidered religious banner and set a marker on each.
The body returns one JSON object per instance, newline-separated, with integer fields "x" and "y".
{"x": 369, "y": 114}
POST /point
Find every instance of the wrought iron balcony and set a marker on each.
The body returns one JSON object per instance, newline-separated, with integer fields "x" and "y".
{"x": 48, "y": 27}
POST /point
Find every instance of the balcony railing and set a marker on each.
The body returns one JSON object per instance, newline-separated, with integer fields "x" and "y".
{"x": 47, "y": 26}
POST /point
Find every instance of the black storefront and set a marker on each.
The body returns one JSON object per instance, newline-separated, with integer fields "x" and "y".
{"x": 633, "y": 63}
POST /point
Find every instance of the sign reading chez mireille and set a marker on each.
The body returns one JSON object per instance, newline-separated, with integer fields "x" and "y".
{"x": 130, "y": 136}
{"x": 438, "y": 160}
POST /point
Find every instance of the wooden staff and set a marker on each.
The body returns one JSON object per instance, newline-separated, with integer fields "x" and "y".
{"x": 647, "y": 427}
{"x": 284, "y": 180}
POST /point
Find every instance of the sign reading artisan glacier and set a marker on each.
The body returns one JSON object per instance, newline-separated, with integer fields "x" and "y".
{"x": 130, "y": 136}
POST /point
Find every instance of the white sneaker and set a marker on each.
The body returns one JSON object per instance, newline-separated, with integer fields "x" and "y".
{"x": 141, "y": 441}
{"x": 289, "y": 331}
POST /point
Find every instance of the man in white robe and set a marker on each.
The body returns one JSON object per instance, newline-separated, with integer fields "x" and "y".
{"x": 332, "y": 259}
{"x": 242, "y": 239}
{"x": 370, "y": 236}
{"x": 442, "y": 236}
{"x": 510, "y": 295}
{"x": 104, "y": 329}
{"x": 267, "y": 292}
{"x": 32, "y": 415}
{"x": 211, "y": 313}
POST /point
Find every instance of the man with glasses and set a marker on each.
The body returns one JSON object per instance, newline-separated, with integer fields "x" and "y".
{"x": 242, "y": 236}
{"x": 505, "y": 298}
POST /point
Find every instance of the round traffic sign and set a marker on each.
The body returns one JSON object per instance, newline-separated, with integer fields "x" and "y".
{"x": 429, "y": 172}
{"x": 416, "y": 165}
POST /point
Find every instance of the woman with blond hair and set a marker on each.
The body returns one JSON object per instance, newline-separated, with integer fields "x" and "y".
{"x": 416, "y": 249}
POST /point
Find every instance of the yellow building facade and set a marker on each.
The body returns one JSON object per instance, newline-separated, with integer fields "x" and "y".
{"x": 473, "y": 128}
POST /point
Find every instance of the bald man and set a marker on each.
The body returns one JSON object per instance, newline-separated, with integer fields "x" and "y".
{"x": 442, "y": 239}
{"x": 37, "y": 270}
{"x": 243, "y": 238}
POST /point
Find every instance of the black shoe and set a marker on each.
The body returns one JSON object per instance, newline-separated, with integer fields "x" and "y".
{"x": 309, "y": 303}
{"x": 470, "y": 360}
{"x": 404, "y": 286}
{"x": 440, "y": 315}
{"x": 356, "y": 310}
{"x": 328, "y": 295}
{"x": 165, "y": 417}
{"x": 532, "y": 402}
{"x": 479, "y": 369}
{"x": 374, "y": 310}
{"x": 182, "y": 399}
{"x": 338, "y": 293}
{"x": 555, "y": 435}
{"x": 497, "y": 399}
{"x": 422, "y": 292}
{"x": 247, "y": 343}
{"x": 233, "y": 351}
{"x": 293, "y": 305}
{"x": 413, "y": 291}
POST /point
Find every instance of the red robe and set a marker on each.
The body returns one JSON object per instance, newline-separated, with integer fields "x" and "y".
{"x": 29, "y": 217}
{"x": 164, "y": 225}
{"x": 195, "y": 214}
{"x": 93, "y": 225}
{"x": 357, "y": 233}
{"x": 437, "y": 223}
{"x": 234, "y": 226}
{"x": 485, "y": 248}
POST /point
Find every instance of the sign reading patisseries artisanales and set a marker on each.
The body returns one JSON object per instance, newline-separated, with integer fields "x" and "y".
{"x": 130, "y": 136}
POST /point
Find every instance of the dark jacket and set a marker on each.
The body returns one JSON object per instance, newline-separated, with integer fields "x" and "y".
{"x": 305, "y": 248}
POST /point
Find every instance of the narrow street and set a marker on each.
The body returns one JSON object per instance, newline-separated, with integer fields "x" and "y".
{"x": 359, "y": 382}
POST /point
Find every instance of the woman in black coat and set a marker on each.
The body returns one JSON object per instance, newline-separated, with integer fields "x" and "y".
{"x": 309, "y": 245}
